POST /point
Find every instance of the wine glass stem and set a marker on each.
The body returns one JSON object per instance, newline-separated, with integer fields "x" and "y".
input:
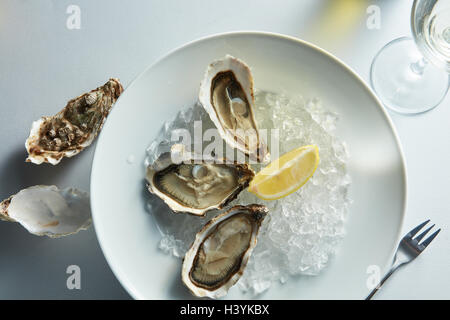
{"x": 419, "y": 66}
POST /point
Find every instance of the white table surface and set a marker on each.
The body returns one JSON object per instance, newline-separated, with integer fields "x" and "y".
{"x": 43, "y": 64}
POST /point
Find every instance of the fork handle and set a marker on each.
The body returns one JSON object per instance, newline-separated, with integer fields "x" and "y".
{"x": 375, "y": 290}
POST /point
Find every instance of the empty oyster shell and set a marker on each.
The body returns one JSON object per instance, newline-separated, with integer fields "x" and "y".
{"x": 219, "y": 254}
{"x": 226, "y": 93}
{"x": 73, "y": 128}
{"x": 195, "y": 184}
{"x": 46, "y": 210}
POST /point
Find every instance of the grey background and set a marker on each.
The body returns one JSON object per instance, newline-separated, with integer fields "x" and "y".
{"x": 43, "y": 64}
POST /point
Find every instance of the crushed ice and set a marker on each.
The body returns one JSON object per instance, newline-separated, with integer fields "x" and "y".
{"x": 304, "y": 229}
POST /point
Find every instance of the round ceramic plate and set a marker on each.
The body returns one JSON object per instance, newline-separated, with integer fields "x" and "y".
{"x": 126, "y": 231}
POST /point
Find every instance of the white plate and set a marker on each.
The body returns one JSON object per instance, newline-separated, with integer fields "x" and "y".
{"x": 126, "y": 231}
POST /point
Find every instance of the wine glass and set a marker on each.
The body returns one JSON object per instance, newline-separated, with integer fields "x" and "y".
{"x": 412, "y": 76}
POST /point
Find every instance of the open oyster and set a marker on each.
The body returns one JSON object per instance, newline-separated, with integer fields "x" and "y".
{"x": 74, "y": 128}
{"x": 196, "y": 184}
{"x": 219, "y": 254}
{"x": 226, "y": 93}
{"x": 47, "y": 210}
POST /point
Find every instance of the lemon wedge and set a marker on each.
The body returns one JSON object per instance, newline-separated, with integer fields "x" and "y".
{"x": 286, "y": 174}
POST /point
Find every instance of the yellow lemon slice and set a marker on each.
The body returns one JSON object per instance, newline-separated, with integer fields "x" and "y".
{"x": 286, "y": 174}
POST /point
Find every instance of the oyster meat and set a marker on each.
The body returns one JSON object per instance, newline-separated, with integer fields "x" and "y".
{"x": 74, "y": 128}
{"x": 196, "y": 184}
{"x": 47, "y": 210}
{"x": 220, "y": 252}
{"x": 226, "y": 93}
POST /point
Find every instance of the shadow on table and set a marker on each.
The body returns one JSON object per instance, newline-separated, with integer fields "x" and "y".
{"x": 17, "y": 174}
{"x": 35, "y": 267}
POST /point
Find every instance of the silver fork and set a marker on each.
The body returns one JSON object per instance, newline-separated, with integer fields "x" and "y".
{"x": 408, "y": 249}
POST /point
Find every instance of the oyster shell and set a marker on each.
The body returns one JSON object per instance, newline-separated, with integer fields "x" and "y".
{"x": 47, "y": 210}
{"x": 196, "y": 184}
{"x": 74, "y": 128}
{"x": 219, "y": 254}
{"x": 226, "y": 93}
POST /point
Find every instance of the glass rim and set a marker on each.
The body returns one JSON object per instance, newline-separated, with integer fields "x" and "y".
{"x": 412, "y": 20}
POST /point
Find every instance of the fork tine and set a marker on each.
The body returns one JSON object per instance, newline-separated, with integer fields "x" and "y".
{"x": 414, "y": 231}
{"x": 423, "y": 234}
{"x": 428, "y": 240}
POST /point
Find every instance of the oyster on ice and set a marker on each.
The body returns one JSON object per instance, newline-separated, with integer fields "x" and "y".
{"x": 217, "y": 258}
{"x": 226, "y": 93}
{"x": 47, "y": 210}
{"x": 196, "y": 184}
{"x": 73, "y": 128}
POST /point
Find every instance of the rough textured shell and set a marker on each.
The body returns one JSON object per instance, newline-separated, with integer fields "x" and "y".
{"x": 47, "y": 210}
{"x": 257, "y": 213}
{"x": 244, "y": 77}
{"x": 73, "y": 128}
{"x": 245, "y": 175}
